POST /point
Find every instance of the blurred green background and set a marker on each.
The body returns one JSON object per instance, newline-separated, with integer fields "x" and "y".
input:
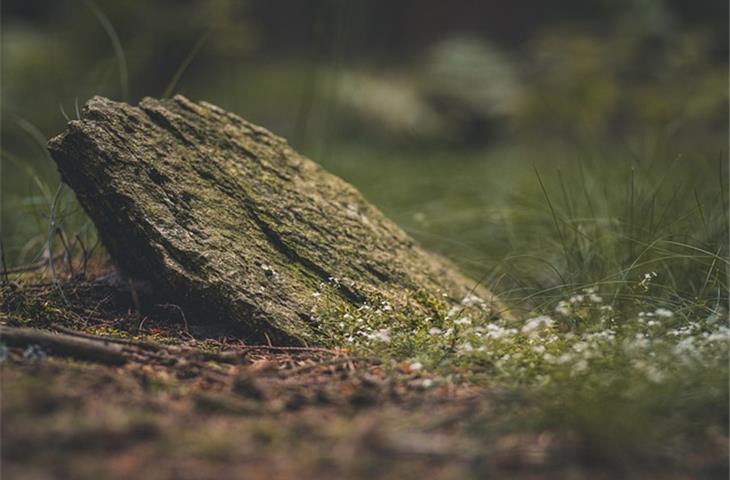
{"x": 542, "y": 145}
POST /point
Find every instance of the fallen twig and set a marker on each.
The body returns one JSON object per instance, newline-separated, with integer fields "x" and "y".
{"x": 99, "y": 351}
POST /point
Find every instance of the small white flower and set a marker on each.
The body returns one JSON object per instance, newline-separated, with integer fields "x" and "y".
{"x": 382, "y": 335}
{"x": 647, "y": 279}
{"x": 435, "y": 331}
{"x": 663, "y": 312}
{"x": 472, "y": 300}
{"x": 565, "y": 358}
{"x": 462, "y": 321}
{"x": 563, "y": 308}
{"x": 576, "y": 299}
{"x": 496, "y": 332}
{"x": 652, "y": 373}
{"x": 580, "y": 366}
{"x": 415, "y": 366}
{"x": 534, "y": 325}
{"x": 722, "y": 335}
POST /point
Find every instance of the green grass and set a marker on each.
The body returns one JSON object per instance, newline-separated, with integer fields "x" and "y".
{"x": 612, "y": 253}
{"x": 616, "y": 266}
{"x": 614, "y": 262}
{"x": 613, "y": 256}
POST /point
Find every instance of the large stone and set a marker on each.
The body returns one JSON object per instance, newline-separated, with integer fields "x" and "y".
{"x": 223, "y": 218}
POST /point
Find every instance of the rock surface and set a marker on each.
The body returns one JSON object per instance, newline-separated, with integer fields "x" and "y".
{"x": 226, "y": 220}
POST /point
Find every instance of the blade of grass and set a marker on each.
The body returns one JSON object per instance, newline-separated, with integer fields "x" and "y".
{"x": 106, "y": 24}
{"x": 169, "y": 90}
{"x": 52, "y": 227}
{"x": 554, "y": 214}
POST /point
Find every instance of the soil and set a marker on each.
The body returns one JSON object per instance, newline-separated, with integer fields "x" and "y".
{"x": 187, "y": 404}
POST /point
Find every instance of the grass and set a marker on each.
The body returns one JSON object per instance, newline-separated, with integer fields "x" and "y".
{"x": 613, "y": 257}
{"x": 614, "y": 262}
{"x": 616, "y": 266}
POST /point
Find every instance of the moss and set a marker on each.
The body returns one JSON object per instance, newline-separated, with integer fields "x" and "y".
{"x": 33, "y": 308}
{"x": 226, "y": 220}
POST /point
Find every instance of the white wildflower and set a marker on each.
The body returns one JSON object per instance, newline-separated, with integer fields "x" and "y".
{"x": 686, "y": 346}
{"x": 565, "y": 358}
{"x": 472, "y": 300}
{"x": 382, "y": 335}
{"x": 415, "y": 366}
{"x": 576, "y": 299}
{"x": 563, "y": 308}
{"x": 652, "y": 373}
{"x": 497, "y": 332}
{"x": 721, "y": 335}
{"x": 663, "y": 312}
{"x": 534, "y": 325}
{"x": 644, "y": 283}
{"x": 579, "y": 367}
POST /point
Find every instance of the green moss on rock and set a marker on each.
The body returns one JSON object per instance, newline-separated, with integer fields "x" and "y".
{"x": 225, "y": 219}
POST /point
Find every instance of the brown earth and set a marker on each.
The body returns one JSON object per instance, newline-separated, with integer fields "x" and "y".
{"x": 185, "y": 405}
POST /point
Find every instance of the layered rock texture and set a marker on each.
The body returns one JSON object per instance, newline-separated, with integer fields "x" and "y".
{"x": 226, "y": 220}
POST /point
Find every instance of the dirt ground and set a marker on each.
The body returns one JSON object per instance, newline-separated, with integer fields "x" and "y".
{"x": 173, "y": 401}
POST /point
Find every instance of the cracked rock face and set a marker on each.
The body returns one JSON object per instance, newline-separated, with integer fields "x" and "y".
{"x": 223, "y": 218}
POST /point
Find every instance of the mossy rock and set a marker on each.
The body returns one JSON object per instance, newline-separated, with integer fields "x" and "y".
{"x": 225, "y": 219}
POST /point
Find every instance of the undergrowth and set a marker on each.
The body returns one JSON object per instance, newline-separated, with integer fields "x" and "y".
{"x": 619, "y": 284}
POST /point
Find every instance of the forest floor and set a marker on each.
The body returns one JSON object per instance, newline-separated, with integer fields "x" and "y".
{"x": 174, "y": 401}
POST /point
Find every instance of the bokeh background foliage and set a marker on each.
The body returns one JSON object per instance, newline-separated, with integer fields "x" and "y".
{"x": 542, "y": 146}
{"x": 570, "y": 155}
